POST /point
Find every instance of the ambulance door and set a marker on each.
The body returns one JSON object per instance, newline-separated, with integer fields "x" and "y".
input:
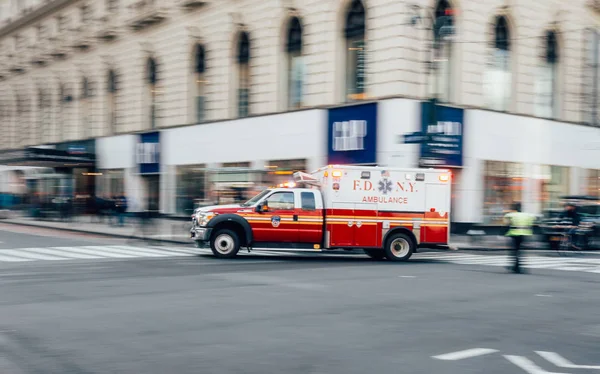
{"x": 366, "y": 229}
{"x": 341, "y": 225}
{"x": 437, "y": 206}
{"x": 277, "y": 224}
{"x": 309, "y": 217}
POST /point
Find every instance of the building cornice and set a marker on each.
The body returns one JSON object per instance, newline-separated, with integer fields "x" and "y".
{"x": 48, "y": 7}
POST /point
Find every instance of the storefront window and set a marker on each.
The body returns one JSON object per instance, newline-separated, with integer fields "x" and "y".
{"x": 191, "y": 188}
{"x": 593, "y": 183}
{"x": 235, "y": 182}
{"x": 504, "y": 184}
{"x": 112, "y": 183}
{"x": 281, "y": 171}
{"x": 555, "y": 183}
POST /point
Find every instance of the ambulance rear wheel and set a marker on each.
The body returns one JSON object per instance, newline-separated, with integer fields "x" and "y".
{"x": 375, "y": 254}
{"x": 399, "y": 247}
{"x": 225, "y": 244}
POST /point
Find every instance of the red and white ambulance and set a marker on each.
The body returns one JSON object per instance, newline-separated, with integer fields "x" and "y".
{"x": 387, "y": 212}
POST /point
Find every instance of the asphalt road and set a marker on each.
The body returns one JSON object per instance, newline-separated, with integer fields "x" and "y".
{"x": 284, "y": 314}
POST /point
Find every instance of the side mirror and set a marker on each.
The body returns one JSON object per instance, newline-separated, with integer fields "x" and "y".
{"x": 262, "y": 207}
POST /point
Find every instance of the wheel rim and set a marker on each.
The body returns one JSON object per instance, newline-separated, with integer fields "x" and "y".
{"x": 400, "y": 247}
{"x": 224, "y": 244}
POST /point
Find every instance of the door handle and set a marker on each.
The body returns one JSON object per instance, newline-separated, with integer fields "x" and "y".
{"x": 295, "y": 218}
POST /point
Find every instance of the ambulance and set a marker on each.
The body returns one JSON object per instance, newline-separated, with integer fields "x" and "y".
{"x": 387, "y": 212}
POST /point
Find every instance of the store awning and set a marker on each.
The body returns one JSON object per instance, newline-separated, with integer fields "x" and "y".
{"x": 47, "y": 157}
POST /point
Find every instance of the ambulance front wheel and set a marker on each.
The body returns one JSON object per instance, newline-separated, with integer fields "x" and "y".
{"x": 399, "y": 247}
{"x": 225, "y": 244}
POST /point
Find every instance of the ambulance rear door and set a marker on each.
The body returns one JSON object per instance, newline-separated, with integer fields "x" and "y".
{"x": 436, "y": 226}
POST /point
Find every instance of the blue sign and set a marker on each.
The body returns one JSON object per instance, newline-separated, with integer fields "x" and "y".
{"x": 352, "y": 134}
{"x": 147, "y": 153}
{"x": 413, "y": 138}
{"x": 443, "y": 143}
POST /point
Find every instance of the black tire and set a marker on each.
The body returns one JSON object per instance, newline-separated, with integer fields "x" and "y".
{"x": 399, "y": 247}
{"x": 375, "y": 254}
{"x": 225, "y": 244}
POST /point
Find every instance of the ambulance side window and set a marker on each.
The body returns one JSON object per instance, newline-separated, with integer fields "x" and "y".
{"x": 308, "y": 201}
{"x": 281, "y": 201}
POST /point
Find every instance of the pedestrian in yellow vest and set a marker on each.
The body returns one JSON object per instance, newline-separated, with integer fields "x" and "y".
{"x": 520, "y": 226}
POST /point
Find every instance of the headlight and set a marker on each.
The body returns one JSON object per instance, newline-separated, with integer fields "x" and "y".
{"x": 205, "y": 217}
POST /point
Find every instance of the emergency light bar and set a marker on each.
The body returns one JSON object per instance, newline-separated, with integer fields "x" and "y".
{"x": 300, "y": 177}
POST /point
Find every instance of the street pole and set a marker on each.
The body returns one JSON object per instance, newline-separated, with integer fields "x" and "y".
{"x": 596, "y": 87}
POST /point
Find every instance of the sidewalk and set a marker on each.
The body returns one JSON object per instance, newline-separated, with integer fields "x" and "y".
{"x": 166, "y": 230}
{"x": 176, "y": 231}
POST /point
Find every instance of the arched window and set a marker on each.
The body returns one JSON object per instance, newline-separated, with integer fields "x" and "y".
{"x": 152, "y": 80}
{"x": 295, "y": 64}
{"x": 443, "y": 31}
{"x": 547, "y": 83}
{"x": 498, "y": 75}
{"x": 199, "y": 81}
{"x": 111, "y": 92}
{"x": 86, "y": 125}
{"x": 243, "y": 62}
{"x": 44, "y": 132}
{"x": 355, "y": 67}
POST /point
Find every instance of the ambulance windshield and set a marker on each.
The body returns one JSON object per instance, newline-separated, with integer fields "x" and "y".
{"x": 256, "y": 198}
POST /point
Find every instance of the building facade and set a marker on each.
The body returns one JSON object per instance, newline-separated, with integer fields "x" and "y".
{"x": 250, "y": 84}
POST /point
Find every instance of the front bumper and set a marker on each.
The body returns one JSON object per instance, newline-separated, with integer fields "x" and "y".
{"x": 200, "y": 234}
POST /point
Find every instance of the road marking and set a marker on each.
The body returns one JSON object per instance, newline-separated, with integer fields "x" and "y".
{"x": 528, "y": 365}
{"x": 31, "y": 256}
{"x": 468, "y": 353}
{"x": 542, "y": 295}
{"x": 407, "y": 276}
{"x": 562, "y": 362}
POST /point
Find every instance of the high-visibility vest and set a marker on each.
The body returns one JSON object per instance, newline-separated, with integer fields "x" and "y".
{"x": 520, "y": 224}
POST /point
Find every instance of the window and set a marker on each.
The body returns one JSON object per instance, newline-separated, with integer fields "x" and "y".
{"x": 504, "y": 185}
{"x": 281, "y": 201}
{"x": 112, "y": 6}
{"x": 191, "y": 188}
{"x": 554, "y": 184}
{"x": 295, "y": 64}
{"x": 354, "y": 33}
{"x": 243, "y": 59}
{"x": 112, "y": 101}
{"x": 281, "y": 171}
{"x": 152, "y": 76}
{"x": 590, "y": 79}
{"x": 308, "y": 201}
{"x": 85, "y": 108}
{"x": 200, "y": 82}
{"x": 498, "y": 76}
{"x": 45, "y": 117}
{"x": 85, "y": 14}
{"x": 443, "y": 31}
{"x": 547, "y": 85}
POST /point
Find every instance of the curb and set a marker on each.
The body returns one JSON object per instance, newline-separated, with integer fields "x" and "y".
{"x": 105, "y": 234}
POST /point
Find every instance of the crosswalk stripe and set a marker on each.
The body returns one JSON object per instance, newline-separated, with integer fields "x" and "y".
{"x": 113, "y": 252}
{"x": 126, "y": 251}
{"x": 144, "y": 251}
{"x": 56, "y": 253}
{"x": 33, "y": 256}
{"x": 5, "y": 258}
{"x": 182, "y": 250}
{"x": 95, "y": 253}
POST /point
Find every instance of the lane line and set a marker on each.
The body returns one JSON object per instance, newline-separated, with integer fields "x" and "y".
{"x": 468, "y": 353}
{"x": 527, "y": 365}
{"x": 562, "y": 362}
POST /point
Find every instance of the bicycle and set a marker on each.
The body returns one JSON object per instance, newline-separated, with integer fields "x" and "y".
{"x": 567, "y": 245}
